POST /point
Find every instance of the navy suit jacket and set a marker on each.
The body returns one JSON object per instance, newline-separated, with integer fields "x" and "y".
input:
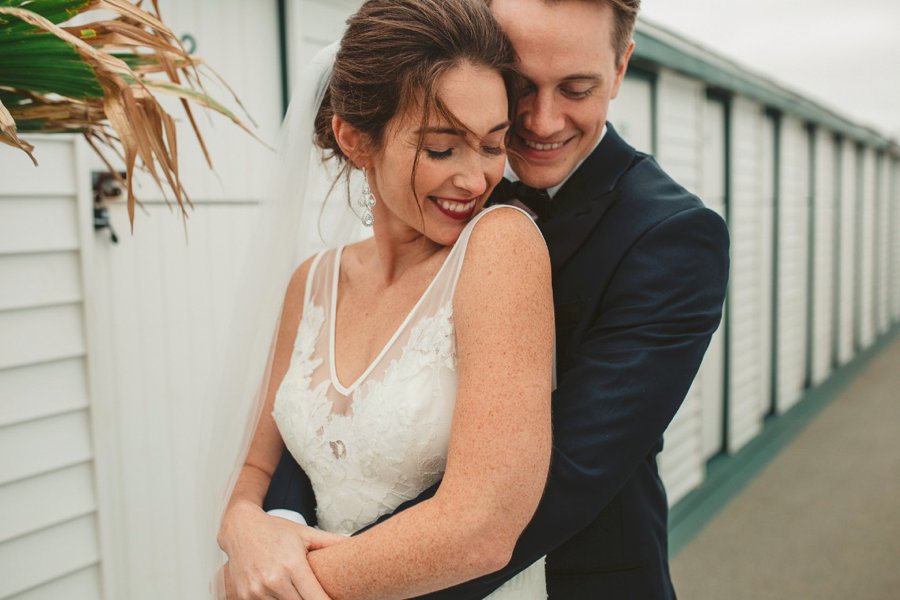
{"x": 639, "y": 276}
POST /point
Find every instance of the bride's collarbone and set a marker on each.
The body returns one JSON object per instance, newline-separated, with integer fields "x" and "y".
{"x": 369, "y": 312}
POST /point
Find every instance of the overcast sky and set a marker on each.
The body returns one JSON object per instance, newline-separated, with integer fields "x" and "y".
{"x": 844, "y": 54}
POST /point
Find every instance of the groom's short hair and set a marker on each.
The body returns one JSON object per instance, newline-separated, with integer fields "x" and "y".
{"x": 625, "y": 12}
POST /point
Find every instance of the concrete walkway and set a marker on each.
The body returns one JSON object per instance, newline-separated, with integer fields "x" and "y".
{"x": 822, "y": 520}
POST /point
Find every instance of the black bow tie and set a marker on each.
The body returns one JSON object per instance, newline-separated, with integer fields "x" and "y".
{"x": 537, "y": 200}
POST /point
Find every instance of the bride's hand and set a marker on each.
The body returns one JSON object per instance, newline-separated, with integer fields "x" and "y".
{"x": 267, "y": 556}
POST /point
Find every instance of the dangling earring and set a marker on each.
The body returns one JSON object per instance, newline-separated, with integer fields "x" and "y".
{"x": 367, "y": 202}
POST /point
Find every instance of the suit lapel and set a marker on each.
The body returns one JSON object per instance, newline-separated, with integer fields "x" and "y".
{"x": 586, "y": 197}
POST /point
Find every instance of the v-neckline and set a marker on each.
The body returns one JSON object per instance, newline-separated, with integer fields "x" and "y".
{"x": 335, "y": 381}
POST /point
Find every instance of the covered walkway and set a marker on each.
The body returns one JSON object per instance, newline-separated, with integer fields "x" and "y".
{"x": 822, "y": 519}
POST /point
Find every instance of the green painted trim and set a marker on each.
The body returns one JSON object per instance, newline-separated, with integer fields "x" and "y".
{"x": 836, "y": 258}
{"x": 857, "y": 248}
{"x": 725, "y": 101}
{"x": 658, "y": 47}
{"x": 283, "y": 56}
{"x": 812, "y": 190}
{"x": 727, "y": 476}
{"x": 776, "y": 256}
{"x": 876, "y": 237}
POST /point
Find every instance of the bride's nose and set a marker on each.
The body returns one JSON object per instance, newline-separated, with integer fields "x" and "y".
{"x": 471, "y": 175}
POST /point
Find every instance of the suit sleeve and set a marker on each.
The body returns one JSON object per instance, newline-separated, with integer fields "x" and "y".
{"x": 621, "y": 386}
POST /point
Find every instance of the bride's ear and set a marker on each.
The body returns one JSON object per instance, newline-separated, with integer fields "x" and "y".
{"x": 353, "y": 143}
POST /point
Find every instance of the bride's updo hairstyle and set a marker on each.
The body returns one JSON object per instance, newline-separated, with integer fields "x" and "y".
{"x": 392, "y": 56}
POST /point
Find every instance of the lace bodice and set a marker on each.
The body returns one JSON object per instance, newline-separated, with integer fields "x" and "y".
{"x": 381, "y": 441}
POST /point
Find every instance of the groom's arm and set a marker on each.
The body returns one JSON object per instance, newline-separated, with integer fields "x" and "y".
{"x": 622, "y": 386}
{"x": 290, "y": 489}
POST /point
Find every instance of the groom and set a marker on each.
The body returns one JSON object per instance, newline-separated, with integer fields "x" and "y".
{"x": 639, "y": 276}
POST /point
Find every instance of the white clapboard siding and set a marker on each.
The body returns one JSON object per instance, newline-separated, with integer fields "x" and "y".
{"x": 866, "y": 249}
{"x": 37, "y": 224}
{"x": 823, "y": 258}
{"x": 80, "y": 585}
{"x": 847, "y": 242}
{"x": 632, "y": 113}
{"x": 46, "y": 499}
{"x": 40, "y": 335}
{"x": 882, "y": 223}
{"x": 793, "y": 241}
{"x": 41, "y": 279}
{"x": 766, "y": 261}
{"x": 745, "y": 297}
{"x": 239, "y": 40}
{"x": 40, "y": 446}
{"x": 43, "y": 389}
{"x": 47, "y": 503}
{"x": 713, "y": 192}
{"x": 679, "y": 138}
{"x": 31, "y": 561}
{"x": 54, "y": 177}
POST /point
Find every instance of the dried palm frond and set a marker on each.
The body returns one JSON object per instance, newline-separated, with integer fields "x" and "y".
{"x": 100, "y": 79}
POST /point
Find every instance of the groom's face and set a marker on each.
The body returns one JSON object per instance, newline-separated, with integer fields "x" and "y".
{"x": 571, "y": 73}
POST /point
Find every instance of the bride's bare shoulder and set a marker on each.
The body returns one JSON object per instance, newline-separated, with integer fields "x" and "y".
{"x": 506, "y": 239}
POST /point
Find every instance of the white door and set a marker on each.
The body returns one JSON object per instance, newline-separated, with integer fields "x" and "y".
{"x": 747, "y": 325}
{"x": 823, "y": 261}
{"x": 866, "y": 248}
{"x": 793, "y": 246}
{"x": 162, "y": 301}
{"x": 631, "y": 113}
{"x": 847, "y": 244}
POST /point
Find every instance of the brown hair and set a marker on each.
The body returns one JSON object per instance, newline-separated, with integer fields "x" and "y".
{"x": 394, "y": 52}
{"x": 625, "y": 12}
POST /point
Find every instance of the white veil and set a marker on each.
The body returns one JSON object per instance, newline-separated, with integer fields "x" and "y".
{"x": 294, "y": 222}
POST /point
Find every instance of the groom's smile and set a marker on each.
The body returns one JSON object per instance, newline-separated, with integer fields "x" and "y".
{"x": 570, "y": 73}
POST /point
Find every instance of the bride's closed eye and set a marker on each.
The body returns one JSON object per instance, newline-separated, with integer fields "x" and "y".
{"x": 439, "y": 154}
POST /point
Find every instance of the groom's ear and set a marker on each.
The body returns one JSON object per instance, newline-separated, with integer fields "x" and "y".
{"x": 353, "y": 142}
{"x": 621, "y": 68}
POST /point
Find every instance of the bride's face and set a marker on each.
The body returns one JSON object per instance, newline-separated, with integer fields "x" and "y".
{"x": 456, "y": 171}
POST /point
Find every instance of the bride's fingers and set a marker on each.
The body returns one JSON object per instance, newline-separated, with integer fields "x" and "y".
{"x": 305, "y": 582}
{"x": 316, "y": 538}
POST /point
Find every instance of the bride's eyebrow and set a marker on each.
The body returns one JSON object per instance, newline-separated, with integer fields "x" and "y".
{"x": 459, "y": 132}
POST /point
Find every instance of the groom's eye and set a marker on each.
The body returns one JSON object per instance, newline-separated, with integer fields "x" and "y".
{"x": 578, "y": 93}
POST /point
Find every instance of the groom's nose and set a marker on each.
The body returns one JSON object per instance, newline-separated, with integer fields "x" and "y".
{"x": 542, "y": 116}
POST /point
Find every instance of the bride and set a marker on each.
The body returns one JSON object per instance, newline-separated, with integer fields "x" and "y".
{"x": 421, "y": 353}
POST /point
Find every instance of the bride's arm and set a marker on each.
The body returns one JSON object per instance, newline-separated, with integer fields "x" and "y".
{"x": 500, "y": 438}
{"x": 247, "y": 534}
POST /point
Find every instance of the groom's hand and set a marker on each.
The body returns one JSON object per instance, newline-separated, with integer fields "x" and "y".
{"x": 267, "y": 557}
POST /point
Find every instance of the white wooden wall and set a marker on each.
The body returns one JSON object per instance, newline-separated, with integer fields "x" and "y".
{"x": 793, "y": 239}
{"x": 848, "y": 215}
{"x": 746, "y": 402}
{"x": 49, "y": 535}
{"x": 679, "y": 151}
{"x": 823, "y": 259}
{"x": 866, "y": 246}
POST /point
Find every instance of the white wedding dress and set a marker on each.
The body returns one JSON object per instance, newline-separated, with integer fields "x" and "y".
{"x": 381, "y": 440}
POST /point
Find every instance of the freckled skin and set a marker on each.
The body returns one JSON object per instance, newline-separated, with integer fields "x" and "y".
{"x": 503, "y": 319}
